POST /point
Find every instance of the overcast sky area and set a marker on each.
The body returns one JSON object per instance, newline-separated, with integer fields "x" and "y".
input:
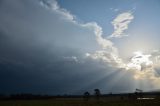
{"x": 73, "y": 46}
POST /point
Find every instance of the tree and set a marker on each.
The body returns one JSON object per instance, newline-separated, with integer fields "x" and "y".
{"x": 86, "y": 96}
{"x": 97, "y": 93}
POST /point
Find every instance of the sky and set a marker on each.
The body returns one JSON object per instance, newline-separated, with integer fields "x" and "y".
{"x": 73, "y": 46}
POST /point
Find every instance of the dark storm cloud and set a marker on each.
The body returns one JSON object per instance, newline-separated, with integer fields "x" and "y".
{"x": 36, "y": 50}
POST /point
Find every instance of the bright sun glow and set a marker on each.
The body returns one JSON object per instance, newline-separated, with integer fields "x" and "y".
{"x": 141, "y": 64}
{"x": 139, "y": 61}
{"x": 140, "y": 58}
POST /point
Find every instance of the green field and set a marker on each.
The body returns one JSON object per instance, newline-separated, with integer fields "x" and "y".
{"x": 80, "y": 102}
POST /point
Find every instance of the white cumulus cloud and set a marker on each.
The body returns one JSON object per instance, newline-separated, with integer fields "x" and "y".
{"x": 121, "y": 23}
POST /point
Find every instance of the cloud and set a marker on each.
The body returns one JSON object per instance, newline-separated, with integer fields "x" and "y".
{"x": 140, "y": 62}
{"x": 114, "y": 9}
{"x": 108, "y": 52}
{"x": 121, "y": 23}
{"x": 106, "y": 44}
{"x": 156, "y": 58}
{"x": 53, "y": 50}
{"x": 49, "y": 53}
{"x": 72, "y": 58}
{"x": 53, "y": 5}
{"x": 107, "y": 57}
{"x": 142, "y": 65}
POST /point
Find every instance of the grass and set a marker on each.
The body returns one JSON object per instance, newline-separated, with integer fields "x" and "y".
{"x": 79, "y": 102}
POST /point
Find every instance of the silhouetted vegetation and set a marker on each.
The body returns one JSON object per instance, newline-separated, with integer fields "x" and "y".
{"x": 86, "y": 96}
{"x": 97, "y": 94}
{"x": 124, "y": 99}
